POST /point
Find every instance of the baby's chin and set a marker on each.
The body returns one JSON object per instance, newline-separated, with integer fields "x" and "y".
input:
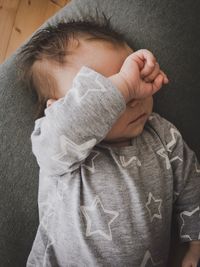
{"x": 132, "y": 130}
{"x": 125, "y": 139}
{"x": 117, "y": 143}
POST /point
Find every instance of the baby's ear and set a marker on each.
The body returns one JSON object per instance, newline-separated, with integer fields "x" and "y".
{"x": 50, "y": 102}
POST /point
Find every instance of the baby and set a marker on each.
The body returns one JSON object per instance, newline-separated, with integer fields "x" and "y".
{"x": 112, "y": 173}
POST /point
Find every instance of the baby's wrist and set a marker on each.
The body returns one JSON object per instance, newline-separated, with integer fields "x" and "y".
{"x": 194, "y": 246}
{"x": 121, "y": 85}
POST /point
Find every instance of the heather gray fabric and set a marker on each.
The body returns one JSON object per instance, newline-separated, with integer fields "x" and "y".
{"x": 170, "y": 29}
{"x": 109, "y": 206}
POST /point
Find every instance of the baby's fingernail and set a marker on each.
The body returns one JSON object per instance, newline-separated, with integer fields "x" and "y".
{"x": 166, "y": 80}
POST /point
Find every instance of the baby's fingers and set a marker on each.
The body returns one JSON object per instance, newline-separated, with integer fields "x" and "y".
{"x": 165, "y": 80}
{"x": 151, "y": 77}
{"x": 155, "y": 73}
{"x": 149, "y": 62}
{"x": 148, "y": 89}
{"x": 157, "y": 83}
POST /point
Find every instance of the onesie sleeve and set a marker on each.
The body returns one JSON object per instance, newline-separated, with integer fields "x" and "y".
{"x": 74, "y": 124}
{"x": 186, "y": 175}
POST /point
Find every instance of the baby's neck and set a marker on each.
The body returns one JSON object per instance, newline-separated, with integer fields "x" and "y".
{"x": 119, "y": 143}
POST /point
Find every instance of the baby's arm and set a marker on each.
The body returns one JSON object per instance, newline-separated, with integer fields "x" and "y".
{"x": 192, "y": 256}
{"x": 73, "y": 125}
{"x": 140, "y": 75}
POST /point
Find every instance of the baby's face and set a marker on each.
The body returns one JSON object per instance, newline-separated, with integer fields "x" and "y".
{"x": 107, "y": 59}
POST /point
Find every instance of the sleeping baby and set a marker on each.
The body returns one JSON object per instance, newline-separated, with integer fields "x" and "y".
{"x": 112, "y": 172}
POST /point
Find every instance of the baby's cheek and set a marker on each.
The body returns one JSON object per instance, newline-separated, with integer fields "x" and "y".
{"x": 149, "y": 104}
{"x": 117, "y": 129}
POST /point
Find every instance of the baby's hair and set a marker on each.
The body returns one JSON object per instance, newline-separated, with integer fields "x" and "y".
{"x": 50, "y": 45}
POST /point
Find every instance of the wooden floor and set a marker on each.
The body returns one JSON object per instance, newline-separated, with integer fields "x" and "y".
{"x": 20, "y": 18}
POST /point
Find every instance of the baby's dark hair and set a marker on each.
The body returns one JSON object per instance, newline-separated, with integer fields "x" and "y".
{"x": 50, "y": 45}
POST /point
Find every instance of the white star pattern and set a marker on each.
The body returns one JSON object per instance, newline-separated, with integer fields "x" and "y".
{"x": 90, "y": 161}
{"x": 173, "y": 141}
{"x": 62, "y": 189}
{"x": 68, "y": 146}
{"x": 92, "y": 210}
{"x": 161, "y": 152}
{"x": 148, "y": 260}
{"x": 80, "y": 91}
{"x": 127, "y": 163}
{"x": 151, "y": 117}
{"x": 175, "y": 158}
{"x": 153, "y": 203}
{"x": 196, "y": 167}
{"x": 185, "y": 215}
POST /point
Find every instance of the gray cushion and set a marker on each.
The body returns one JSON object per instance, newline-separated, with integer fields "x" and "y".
{"x": 170, "y": 29}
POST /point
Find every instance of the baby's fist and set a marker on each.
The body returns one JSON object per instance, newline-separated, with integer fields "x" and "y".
{"x": 140, "y": 75}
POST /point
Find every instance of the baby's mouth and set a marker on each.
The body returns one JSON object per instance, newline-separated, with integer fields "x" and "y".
{"x": 138, "y": 118}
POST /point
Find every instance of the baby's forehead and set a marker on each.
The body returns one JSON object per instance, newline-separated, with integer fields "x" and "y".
{"x": 78, "y": 39}
{"x": 74, "y": 51}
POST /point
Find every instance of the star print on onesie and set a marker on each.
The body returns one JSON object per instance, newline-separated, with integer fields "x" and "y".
{"x": 148, "y": 261}
{"x": 190, "y": 218}
{"x": 173, "y": 141}
{"x": 109, "y": 219}
{"x": 197, "y": 167}
{"x": 62, "y": 189}
{"x": 67, "y": 146}
{"x": 125, "y": 163}
{"x": 99, "y": 219}
{"x": 163, "y": 153}
{"x": 154, "y": 206}
{"x": 80, "y": 91}
{"x": 90, "y": 161}
{"x": 151, "y": 117}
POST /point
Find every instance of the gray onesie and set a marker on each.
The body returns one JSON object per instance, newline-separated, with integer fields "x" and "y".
{"x": 109, "y": 206}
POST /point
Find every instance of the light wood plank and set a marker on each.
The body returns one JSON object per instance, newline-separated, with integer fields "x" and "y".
{"x": 52, "y": 8}
{"x": 30, "y": 15}
{"x": 8, "y": 10}
{"x": 60, "y": 3}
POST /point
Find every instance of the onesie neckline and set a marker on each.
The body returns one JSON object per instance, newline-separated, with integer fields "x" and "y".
{"x": 122, "y": 149}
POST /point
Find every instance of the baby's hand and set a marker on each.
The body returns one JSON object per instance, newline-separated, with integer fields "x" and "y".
{"x": 192, "y": 256}
{"x": 140, "y": 75}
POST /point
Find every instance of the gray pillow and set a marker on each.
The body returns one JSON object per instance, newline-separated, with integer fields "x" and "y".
{"x": 170, "y": 29}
